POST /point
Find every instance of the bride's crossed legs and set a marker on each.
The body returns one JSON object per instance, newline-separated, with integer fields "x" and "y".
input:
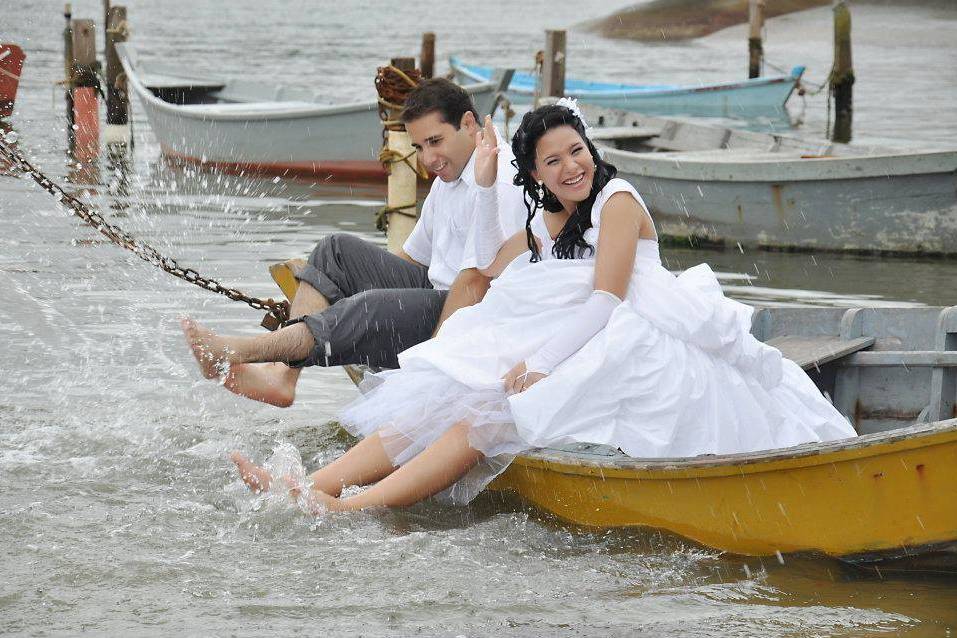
{"x": 437, "y": 467}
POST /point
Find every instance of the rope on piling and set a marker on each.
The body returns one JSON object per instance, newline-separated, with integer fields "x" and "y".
{"x": 382, "y": 215}
{"x": 393, "y": 86}
{"x": 278, "y": 311}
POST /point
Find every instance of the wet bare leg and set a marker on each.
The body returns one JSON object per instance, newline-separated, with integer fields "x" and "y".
{"x": 272, "y": 383}
{"x": 275, "y": 383}
{"x": 363, "y": 464}
{"x": 254, "y": 476}
{"x": 434, "y": 469}
{"x": 215, "y": 353}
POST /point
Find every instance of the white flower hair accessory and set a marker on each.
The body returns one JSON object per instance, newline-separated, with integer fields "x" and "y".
{"x": 571, "y": 104}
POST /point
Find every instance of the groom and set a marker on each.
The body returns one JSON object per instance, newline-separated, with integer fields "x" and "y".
{"x": 361, "y": 304}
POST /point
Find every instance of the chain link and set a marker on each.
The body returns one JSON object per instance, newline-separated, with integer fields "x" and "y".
{"x": 278, "y": 309}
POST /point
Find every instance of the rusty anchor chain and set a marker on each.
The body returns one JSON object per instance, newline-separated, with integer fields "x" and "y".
{"x": 277, "y": 311}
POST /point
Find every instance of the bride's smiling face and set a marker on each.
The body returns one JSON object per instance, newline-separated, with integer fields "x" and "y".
{"x": 564, "y": 164}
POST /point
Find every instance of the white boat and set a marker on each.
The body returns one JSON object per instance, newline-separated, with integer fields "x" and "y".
{"x": 243, "y": 126}
{"x": 715, "y": 185}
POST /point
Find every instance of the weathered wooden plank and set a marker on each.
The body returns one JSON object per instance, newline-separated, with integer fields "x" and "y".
{"x": 624, "y": 132}
{"x": 811, "y": 352}
{"x": 943, "y": 382}
{"x": 847, "y": 381}
{"x": 906, "y": 358}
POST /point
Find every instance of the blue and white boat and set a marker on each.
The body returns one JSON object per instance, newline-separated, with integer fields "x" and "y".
{"x": 744, "y": 99}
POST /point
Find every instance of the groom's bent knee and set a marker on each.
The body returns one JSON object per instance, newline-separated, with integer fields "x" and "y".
{"x": 332, "y": 265}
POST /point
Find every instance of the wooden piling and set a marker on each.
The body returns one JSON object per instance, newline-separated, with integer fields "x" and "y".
{"x": 427, "y": 56}
{"x": 85, "y": 84}
{"x": 755, "y": 44}
{"x": 553, "y": 66}
{"x": 841, "y": 79}
{"x": 117, "y": 101}
{"x": 403, "y": 179}
{"x": 406, "y": 65}
{"x": 106, "y": 20}
{"x": 68, "y": 73}
{"x": 401, "y": 192}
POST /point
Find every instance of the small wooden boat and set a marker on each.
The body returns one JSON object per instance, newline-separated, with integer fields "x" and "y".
{"x": 888, "y": 496}
{"x": 717, "y": 185}
{"x": 11, "y": 64}
{"x": 746, "y": 98}
{"x": 237, "y": 125}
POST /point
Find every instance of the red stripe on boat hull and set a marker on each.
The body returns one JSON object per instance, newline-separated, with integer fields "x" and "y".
{"x": 345, "y": 170}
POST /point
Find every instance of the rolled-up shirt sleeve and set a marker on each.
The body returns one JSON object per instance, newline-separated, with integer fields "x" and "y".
{"x": 418, "y": 245}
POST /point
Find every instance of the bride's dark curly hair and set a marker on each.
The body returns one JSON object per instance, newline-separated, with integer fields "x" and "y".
{"x": 570, "y": 243}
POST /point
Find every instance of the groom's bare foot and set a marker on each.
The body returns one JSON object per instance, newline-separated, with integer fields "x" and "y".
{"x": 272, "y": 383}
{"x": 313, "y": 501}
{"x": 255, "y": 477}
{"x": 209, "y": 350}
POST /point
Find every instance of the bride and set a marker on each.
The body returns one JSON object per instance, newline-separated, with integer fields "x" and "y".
{"x": 583, "y": 337}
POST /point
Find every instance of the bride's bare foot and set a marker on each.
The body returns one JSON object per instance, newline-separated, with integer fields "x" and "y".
{"x": 314, "y": 501}
{"x": 272, "y": 383}
{"x": 255, "y": 477}
{"x": 209, "y": 349}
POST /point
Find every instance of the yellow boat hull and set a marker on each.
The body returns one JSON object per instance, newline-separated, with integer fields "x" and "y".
{"x": 888, "y": 493}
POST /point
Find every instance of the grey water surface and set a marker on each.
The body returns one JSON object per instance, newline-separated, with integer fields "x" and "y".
{"x": 119, "y": 512}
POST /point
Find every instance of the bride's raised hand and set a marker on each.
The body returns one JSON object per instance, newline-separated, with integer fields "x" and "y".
{"x": 486, "y": 154}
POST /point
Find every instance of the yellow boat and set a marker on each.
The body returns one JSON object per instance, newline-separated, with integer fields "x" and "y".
{"x": 888, "y": 494}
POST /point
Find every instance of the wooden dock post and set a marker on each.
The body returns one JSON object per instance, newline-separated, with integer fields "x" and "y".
{"x": 68, "y": 74}
{"x": 553, "y": 66}
{"x": 841, "y": 79}
{"x": 755, "y": 45}
{"x": 85, "y": 83}
{"x": 106, "y": 21}
{"x": 403, "y": 179}
{"x": 427, "y": 57}
{"x": 117, "y": 101}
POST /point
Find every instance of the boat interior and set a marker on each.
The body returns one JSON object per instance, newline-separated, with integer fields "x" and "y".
{"x": 884, "y": 368}
{"x": 647, "y": 134}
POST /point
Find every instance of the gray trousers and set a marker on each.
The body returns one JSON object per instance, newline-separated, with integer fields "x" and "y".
{"x": 380, "y": 304}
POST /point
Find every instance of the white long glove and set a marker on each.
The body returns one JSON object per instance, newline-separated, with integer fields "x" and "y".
{"x": 486, "y": 235}
{"x": 576, "y": 332}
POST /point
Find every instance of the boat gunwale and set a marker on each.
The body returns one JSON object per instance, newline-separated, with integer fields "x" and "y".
{"x": 678, "y": 165}
{"x": 805, "y": 455}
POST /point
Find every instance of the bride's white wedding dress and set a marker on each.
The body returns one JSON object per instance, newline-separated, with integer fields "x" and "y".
{"x": 674, "y": 373}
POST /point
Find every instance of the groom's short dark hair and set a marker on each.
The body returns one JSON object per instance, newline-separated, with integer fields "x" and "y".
{"x": 447, "y": 98}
